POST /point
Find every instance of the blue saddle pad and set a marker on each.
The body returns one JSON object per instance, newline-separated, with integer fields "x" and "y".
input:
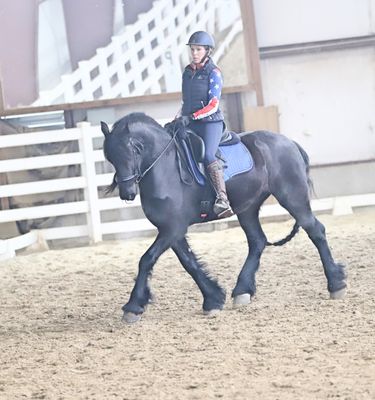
{"x": 237, "y": 159}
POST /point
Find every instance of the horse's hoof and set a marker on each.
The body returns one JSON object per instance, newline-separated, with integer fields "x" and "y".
{"x": 241, "y": 300}
{"x": 152, "y": 299}
{"x": 131, "y": 318}
{"x": 339, "y": 295}
{"x": 211, "y": 313}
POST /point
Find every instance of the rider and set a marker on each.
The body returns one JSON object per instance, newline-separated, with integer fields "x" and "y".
{"x": 201, "y": 90}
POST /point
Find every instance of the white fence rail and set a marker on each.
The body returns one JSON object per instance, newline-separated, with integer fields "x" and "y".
{"x": 88, "y": 180}
{"x": 146, "y": 57}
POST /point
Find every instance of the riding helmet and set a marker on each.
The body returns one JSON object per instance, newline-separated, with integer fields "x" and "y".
{"x": 201, "y": 38}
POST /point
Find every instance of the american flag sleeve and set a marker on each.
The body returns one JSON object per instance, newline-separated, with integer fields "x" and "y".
{"x": 214, "y": 93}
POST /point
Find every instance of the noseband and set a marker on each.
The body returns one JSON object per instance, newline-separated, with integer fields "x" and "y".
{"x": 138, "y": 175}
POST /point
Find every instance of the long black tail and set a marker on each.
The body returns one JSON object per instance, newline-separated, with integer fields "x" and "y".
{"x": 287, "y": 238}
{"x": 296, "y": 227}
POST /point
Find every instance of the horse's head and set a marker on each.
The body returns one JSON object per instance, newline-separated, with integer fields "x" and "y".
{"x": 123, "y": 151}
{"x": 134, "y": 146}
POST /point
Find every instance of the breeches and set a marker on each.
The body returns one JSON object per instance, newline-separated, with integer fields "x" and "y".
{"x": 211, "y": 133}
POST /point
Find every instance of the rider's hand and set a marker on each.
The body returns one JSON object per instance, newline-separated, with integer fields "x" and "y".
{"x": 185, "y": 120}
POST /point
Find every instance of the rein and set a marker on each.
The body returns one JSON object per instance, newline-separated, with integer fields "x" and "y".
{"x": 139, "y": 176}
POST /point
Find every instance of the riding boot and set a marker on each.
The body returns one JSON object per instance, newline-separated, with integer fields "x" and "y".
{"x": 222, "y": 207}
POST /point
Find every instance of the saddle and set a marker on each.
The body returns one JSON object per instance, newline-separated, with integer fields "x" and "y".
{"x": 232, "y": 154}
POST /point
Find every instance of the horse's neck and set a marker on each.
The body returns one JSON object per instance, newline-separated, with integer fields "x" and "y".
{"x": 162, "y": 157}
{"x": 155, "y": 143}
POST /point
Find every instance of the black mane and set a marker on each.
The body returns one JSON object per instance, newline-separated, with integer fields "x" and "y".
{"x": 134, "y": 120}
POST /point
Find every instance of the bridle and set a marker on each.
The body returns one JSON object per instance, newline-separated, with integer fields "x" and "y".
{"x": 138, "y": 175}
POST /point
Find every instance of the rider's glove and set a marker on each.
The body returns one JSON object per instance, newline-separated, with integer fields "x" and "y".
{"x": 185, "y": 120}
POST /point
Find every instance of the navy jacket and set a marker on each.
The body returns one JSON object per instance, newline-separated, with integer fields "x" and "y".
{"x": 195, "y": 85}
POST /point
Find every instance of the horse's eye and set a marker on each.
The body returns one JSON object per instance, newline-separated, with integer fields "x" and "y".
{"x": 137, "y": 145}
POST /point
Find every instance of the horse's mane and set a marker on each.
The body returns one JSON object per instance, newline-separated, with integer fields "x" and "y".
{"x": 135, "y": 121}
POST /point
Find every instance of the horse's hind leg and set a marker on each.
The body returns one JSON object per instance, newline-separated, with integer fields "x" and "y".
{"x": 246, "y": 286}
{"x": 299, "y": 208}
{"x": 334, "y": 272}
{"x": 213, "y": 294}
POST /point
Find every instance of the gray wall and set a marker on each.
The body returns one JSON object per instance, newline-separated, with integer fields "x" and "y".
{"x": 320, "y": 72}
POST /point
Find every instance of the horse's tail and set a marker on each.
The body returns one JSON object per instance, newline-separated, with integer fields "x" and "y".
{"x": 287, "y": 238}
{"x": 306, "y": 160}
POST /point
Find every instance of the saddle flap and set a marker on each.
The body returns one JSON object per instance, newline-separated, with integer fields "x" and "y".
{"x": 196, "y": 145}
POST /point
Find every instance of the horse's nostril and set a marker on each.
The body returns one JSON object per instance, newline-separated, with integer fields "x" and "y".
{"x": 128, "y": 197}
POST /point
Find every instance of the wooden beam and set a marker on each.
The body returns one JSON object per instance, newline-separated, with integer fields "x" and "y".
{"x": 251, "y": 48}
{"x": 2, "y": 104}
{"x": 112, "y": 102}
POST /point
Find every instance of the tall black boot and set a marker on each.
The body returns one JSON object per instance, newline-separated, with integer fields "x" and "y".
{"x": 222, "y": 207}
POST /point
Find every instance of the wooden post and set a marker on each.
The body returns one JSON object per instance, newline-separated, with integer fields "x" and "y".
{"x": 91, "y": 190}
{"x": 252, "y": 51}
{"x": 2, "y": 103}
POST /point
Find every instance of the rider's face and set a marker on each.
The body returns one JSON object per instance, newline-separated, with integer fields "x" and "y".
{"x": 197, "y": 53}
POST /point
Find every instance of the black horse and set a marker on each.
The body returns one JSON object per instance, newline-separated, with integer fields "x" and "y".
{"x": 146, "y": 155}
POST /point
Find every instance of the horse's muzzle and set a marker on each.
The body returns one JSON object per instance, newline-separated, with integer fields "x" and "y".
{"x": 128, "y": 197}
{"x": 127, "y": 192}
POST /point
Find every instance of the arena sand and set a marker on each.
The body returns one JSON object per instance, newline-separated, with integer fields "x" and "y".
{"x": 61, "y": 335}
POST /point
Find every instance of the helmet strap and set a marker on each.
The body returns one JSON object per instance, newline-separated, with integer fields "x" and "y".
{"x": 208, "y": 52}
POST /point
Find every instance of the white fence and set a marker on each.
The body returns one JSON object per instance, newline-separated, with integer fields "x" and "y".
{"x": 87, "y": 157}
{"x": 146, "y": 57}
{"x": 92, "y": 206}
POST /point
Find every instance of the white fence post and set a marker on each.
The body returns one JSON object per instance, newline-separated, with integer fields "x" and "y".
{"x": 91, "y": 190}
{"x": 342, "y": 206}
{"x": 6, "y": 251}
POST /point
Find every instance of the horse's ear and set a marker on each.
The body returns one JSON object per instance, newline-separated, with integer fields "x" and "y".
{"x": 105, "y": 128}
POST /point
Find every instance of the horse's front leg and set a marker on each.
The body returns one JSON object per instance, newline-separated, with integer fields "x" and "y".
{"x": 213, "y": 294}
{"x": 141, "y": 294}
